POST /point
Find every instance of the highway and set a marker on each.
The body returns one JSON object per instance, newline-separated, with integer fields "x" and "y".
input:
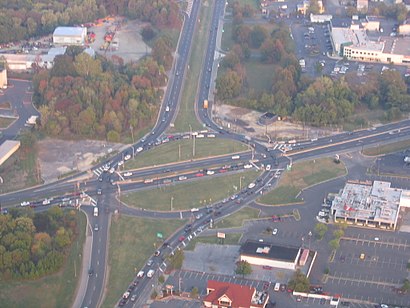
{"x": 110, "y": 182}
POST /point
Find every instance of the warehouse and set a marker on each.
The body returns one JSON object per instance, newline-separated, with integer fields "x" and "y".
{"x": 70, "y": 36}
{"x": 265, "y": 254}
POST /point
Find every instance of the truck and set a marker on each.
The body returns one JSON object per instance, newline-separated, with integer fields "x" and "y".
{"x": 150, "y": 273}
{"x": 205, "y": 104}
{"x": 95, "y": 211}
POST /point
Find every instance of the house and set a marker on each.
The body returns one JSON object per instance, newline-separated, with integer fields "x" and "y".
{"x": 225, "y": 294}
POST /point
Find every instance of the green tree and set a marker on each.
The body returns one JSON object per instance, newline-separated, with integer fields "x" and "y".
{"x": 257, "y": 36}
{"x": 243, "y": 268}
{"x": 338, "y": 233}
{"x": 194, "y": 292}
{"x": 320, "y": 230}
{"x": 229, "y": 85}
{"x": 406, "y": 285}
{"x": 334, "y": 244}
{"x": 299, "y": 282}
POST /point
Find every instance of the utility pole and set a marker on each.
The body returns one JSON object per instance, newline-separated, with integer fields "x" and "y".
{"x": 193, "y": 147}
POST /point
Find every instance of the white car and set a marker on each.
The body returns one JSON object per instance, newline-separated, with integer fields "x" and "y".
{"x": 25, "y": 203}
{"x": 140, "y": 274}
{"x": 112, "y": 170}
{"x": 275, "y": 231}
{"x": 127, "y": 157}
{"x": 194, "y": 210}
{"x": 182, "y": 178}
{"x": 126, "y": 174}
{"x": 167, "y": 109}
{"x": 139, "y": 149}
{"x": 210, "y": 172}
{"x": 120, "y": 163}
{"x": 46, "y": 202}
{"x": 267, "y": 167}
{"x": 247, "y": 166}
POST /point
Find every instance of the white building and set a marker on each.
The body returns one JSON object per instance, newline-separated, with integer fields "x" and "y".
{"x": 315, "y": 18}
{"x": 265, "y": 254}
{"x": 69, "y": 36}
{"x": 376, "y": 205}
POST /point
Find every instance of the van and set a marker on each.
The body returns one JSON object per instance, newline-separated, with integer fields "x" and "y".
{"x": 95, "y": 211}
{"x": 277, "y": 287}
{"x": 150, "y": 273}
{"x": 235, "y": 157}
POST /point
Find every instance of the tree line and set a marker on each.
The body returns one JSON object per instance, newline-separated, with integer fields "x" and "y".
{"x": 319, "y": 101}
{"x": 92, "y": 97}
{"x": 24, "y": 19}
{"x": 35, "y": 245}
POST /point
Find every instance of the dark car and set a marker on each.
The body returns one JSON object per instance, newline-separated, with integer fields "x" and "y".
{"x": 90, "y": 272}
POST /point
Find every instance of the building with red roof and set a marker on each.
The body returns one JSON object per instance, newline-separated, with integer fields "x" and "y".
{"x": 225, "y": 294}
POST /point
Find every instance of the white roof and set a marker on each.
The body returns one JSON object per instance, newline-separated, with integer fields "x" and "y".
{"x": 69, "y": 31}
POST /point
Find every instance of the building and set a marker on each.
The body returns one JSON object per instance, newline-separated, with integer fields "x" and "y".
{"x": 404, "y": 29}
{"x": 224, "y": 294}
{"x": 320, "y": 19}
{"x": 370, "y": 205}
{"x": 265, "y": 254}
{"x": 362, "y": 5}
{"x": 8, "y": 148}
{"x": 304, "y": 7}
{"x": 3, "y": 77}
{"x": 354, "y": 44}
{"x": 70, "y": 36}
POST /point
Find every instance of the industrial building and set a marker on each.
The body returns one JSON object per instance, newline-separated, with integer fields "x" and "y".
{"x": 354, "y": 43}
{"x": 369, "y": 205}
{"x": 265, "y": 254}
{"x": 224, "y": 294}
{"x": 8, "y": 148}
{"x": 70, "y": 36}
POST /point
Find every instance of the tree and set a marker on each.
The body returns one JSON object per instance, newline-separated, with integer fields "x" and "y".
{"x": 320, "y": 230}
{"x": 338, "y": 233}
{"x": 194, "y": 292}
{"x": 176, "y": 260}
{"x": 229, "y": 85}
{"x": 147, "y": 33}
{"x": 406, "y": 285}
{"x": 299, "y": 282}
{"x": 243, "y": 268}
{"x": 334, "y": 244}
{"x": 257, "y": 36}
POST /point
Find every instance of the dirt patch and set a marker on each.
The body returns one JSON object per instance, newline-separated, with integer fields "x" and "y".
{"x": 244, "y": 121}
{"x": 131, "y": 47}
{"x": 59, "y": 157}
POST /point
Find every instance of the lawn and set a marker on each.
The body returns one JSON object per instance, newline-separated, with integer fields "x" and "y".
{"x": 253, "y": 3}
{"x": 196, "y": 193}
{"x": 181, "y": 150}
{"x": 56, "y": 290}
{"x": 387, "y": 148}
{"x": 236, "y": 219}
{"x": 186, "y": 118}
{"x": 230, "y": 239}
{"x": 132, "y": 241}
{"x": 227, "y": 42}
{"x": 302, "y": 175}
{"x": 259, "y": 75}
{"x": 5, "y": 122}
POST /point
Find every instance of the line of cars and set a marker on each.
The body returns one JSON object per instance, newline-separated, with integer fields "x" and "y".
{"x": 62, "y": 201}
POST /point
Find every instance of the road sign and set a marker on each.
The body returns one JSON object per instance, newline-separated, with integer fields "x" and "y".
{"x": 159, "y": 235}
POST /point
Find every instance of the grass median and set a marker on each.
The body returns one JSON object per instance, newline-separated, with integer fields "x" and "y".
{"x": 230, "y": 239}
{"x": 186, "y": 118}
{"x": 197, "y": 193}
{"x": 387, "y": 148}
{"x": 182, "y": 150}
{"x": 132, "y": 241}
{"x": 55, "y": 290}
{"x": 302, "y": 175}
{"x": 236, "y": 219}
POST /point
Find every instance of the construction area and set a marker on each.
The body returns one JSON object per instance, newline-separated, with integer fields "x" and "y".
{"x": 370, "y": 205}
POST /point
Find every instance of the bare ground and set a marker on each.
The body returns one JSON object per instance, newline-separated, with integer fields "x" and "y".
{"x": 59, "y": 157}
{"x": 245, "y": 121}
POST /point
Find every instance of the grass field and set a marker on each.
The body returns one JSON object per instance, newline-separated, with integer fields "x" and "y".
{"x": 387, "y": 148}
{"x": 227, "y": 42}
{"x": 253, "y": 3}
{"x": 259, "y": 75}
{"x": 237, "y": 218}
{"x": 5, "y": 122}
{"x": 186, "y": 118}
{"x": 230, "y": 239}
{"x": 181, "y": 150}
{"x": 188, "y": 195}
{"x": 56, "y": 290}
{"x": 132, "y": 241}
{"x": 302, "y": 175}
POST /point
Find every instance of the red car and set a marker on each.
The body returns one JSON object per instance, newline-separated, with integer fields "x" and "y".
{"x": 181, "y": 238}
{"x": 199, "y": 174}
{"x": 222, "y": 170}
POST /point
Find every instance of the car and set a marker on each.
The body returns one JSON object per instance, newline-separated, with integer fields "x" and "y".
{"x": 193, "y": 210}
{"x": 25, "y": 203}
{"x": 199, "y": 174}
{"x": 210, "y": 172}
{"x": 99, "y": 191}
{"x": 128, "y": 173}
{"x": 120, "y": 163}
{"x": 181, "y": 238}
{"x": 267, "y": 267}
{"x": 182, "y": 178}
{"x": 283, "y": 287}
{"x": 150, "y": 262}
{"x": 298, "y": 298}
{"x": 275, "y": 231}
{"x": 122, "y": 302}
{"x": 96, "y": 228}
{"x": 127, "y": 157}
{"x": 90, "y": 271}
{"x": 126, "y": 295}
{"x": 140, "y": 274}
{"x": 46, "y": 201}
{"x": 139, "y": 149}
{"x": 362, "y": 256}
{"x": 199, "y": 216}
{"x": 100, "y": 179}
{"x": 157, "y": 253}
{"x": 112, "y": 170}
{"x": 133, "y": 298}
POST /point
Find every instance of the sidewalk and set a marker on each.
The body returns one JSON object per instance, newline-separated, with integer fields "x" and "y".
{"x": 83, "y": 281}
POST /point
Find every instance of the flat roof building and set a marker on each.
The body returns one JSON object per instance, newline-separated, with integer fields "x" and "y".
{"x": 371, "y": 205}
{"x": 224, "y": 294}
{"x": 70, "y": 36}
{"x": 265, "y": 254}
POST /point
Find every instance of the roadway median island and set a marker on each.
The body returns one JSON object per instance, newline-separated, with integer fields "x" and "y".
{"x": 237, "y": 219}
{"x": 182, "y": 150}
{"x": 194, "y": 194}
{"x": 132, "y": 241}
{"x": 55, "y": 290}
{"x": 230, "y": 239}
{"x": 302, "y": 175}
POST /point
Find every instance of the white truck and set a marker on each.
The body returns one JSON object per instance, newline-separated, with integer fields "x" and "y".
{"x": 150, "y": 273}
